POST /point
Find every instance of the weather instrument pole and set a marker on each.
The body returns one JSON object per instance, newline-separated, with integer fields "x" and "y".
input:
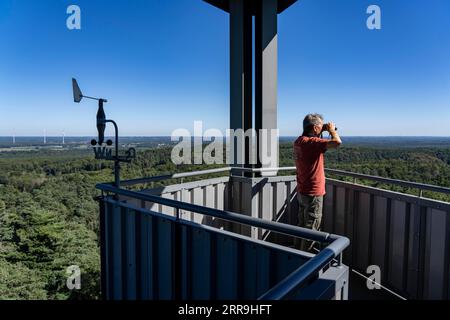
{"x": 102, "y": 152}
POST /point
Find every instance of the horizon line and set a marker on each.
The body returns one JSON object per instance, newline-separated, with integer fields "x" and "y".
{"x": 168, "y": 136}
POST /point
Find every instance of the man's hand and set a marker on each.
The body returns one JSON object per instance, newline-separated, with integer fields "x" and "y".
{"x": 335, "y": 140}
{"x": 328, "y": 127}
{"x": 331, "y": 127}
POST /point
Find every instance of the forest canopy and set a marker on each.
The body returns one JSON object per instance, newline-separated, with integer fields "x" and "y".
{"x": 49, "y": 218}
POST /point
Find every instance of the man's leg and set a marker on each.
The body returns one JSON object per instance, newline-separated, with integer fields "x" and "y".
{"x": 312, "y": 216}
{"x": 301, "y": 220}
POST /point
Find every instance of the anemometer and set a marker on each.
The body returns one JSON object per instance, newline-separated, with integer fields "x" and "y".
{"x": 101, "y": 151}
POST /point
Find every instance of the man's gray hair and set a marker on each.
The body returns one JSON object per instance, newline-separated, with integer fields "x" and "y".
{"x": 312, "y": 119}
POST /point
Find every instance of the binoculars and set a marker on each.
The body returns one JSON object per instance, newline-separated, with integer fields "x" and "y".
{"x": 325, "y": 127}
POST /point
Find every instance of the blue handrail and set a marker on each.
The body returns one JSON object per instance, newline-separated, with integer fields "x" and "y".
{"x": 301, "y": 275}
{"x": 336, "y": 243}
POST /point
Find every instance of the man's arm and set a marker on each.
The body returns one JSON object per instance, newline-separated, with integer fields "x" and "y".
{"x": 335, "y": 140}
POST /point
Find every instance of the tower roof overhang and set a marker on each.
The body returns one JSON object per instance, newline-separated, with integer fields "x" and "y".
{"x": 225, "y": 4}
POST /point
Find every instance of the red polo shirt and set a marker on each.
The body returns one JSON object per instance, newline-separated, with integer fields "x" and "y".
{"x": 308, "y": 154}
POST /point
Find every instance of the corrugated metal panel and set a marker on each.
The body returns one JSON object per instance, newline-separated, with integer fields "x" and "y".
{"x": 165, "y": 209}
{"x": 379, "y": 244}
{"x": 350, "y": 222}
{"x": 248, "y": 268}
{"x": 201, "y": 259}
{"x": 130, "y": 254}
{"x": 185, "y": 192}
{"x": 362, "y": 231}
{"x": 294, "y": 206}
{"x": 435, "y": 248}
{"x": 208, "y": 198}
{"x": 185, "y": 197}
{"x": 339, "y": 217}
{"x": 151, "y": 206}
{"x": 105, "y": 279}
{"x": 285, "y": 209}
{"x": 220, "y": 196}
{"x": 234, "y": 203}
{"x": 386, "y": 228}
{"x": 246, "y": 208}
{"x": 406, "y": 238}
{"x": 227, "y": 267}
{"x": 236, "y": 196}
{"x": 260, "y": 197}
{"x": 145, "y": 256}
{"x": 116, "y": 252}
{"x": 289, "y": 194}
{"x": 266, "y": 200}
{"x": 328, "y": 208}
{"x": 151, "y": 257}
{"x": 414, "y": 256}
{"x": 263, "y": 270}
{"x": 268, "y": 195}
{"x": 185, "y": 270}
{"x": 397, "y": 250}
{"x": 163, "y": 258}
{"x": 197, "y": 198}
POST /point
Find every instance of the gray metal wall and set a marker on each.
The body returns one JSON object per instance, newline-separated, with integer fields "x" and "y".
{"x": 212, "y": 193}
{"x": 267, "y": 198}
{"x": 406, "y": 236}
{"x": 147, "y": 255}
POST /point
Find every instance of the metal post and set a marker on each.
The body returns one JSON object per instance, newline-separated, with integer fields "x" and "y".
{"x": 240, "y": 78}
{"x": 266, "y": 70}
{"x": 116, "y": 161}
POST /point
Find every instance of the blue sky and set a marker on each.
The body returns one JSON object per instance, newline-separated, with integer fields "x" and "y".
{"x": 164, "y": 64}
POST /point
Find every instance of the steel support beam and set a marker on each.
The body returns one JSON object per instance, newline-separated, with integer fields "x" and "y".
{"x": 240, "y": 78}
{"x": 266, "y": 70}
{"x": 241, "y": 95}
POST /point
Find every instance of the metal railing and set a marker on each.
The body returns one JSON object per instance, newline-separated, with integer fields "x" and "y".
{"x": 301, "y": 275}
{"x": 173, "y": 176}
{"x": 408, "y": 184}
{"x": 403, "y": 183}
{"x": 335, "y": 243}
{"x": 308, "y": 269}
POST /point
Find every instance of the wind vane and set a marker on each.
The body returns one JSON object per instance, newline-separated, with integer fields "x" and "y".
{"x": 102, "y": 152}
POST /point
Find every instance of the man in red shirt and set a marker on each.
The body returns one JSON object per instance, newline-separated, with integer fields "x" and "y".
{"x": 309, "y": 149}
